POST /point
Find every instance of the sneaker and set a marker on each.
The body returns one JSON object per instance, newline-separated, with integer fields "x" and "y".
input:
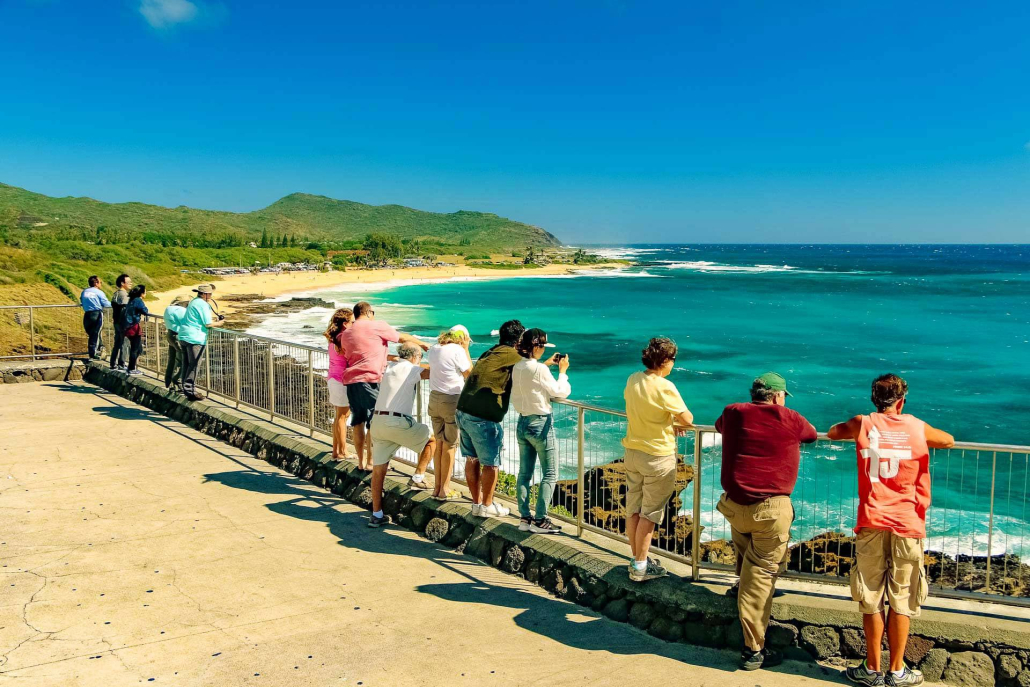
{"x": 908, "y": 677}
{"x": 421, "y": 485}
{"x": 374, "y": 522}
{"x": 653, "y": 571}
{"x": 524, "y": 524}
{"x": 860, "y": 675}
{"x": 544, "y": 526}
{"x": 195, "y": 396}
{"x": 766, "y": 658}
{"x": 476, "y": 508}
{"x": 136, "y": 373}
{"x": 494, "y": 510}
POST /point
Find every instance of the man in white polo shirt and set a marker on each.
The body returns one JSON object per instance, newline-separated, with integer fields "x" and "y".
{"x": 394, "y": 427}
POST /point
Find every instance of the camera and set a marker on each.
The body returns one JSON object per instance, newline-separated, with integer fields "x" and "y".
{"x": 560, "y": 356}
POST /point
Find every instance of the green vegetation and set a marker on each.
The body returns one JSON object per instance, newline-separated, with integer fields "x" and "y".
{"x": 61, "y": 241}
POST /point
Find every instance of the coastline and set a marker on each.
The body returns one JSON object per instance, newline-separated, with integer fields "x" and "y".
{"x": 267, "y": 285}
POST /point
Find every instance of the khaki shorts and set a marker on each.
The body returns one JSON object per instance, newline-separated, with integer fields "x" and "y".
{"x": 888, "y": 567}
{"x": 650, "y": 481}
{"x": 390, "y": 433}
{"x": 441, "y": 411}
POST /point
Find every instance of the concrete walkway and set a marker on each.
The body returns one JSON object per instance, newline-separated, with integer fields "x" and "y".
{"x": 136, "y": 550}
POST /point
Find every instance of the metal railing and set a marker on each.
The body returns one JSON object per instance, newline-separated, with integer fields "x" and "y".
{"x": 32, "y": 332}
{"x": 977, "y": 527}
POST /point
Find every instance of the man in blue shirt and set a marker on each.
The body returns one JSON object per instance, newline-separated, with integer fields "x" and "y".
{"x": 172, "y": 317}
{"x": 93, "y": 303}
{"x": 193, "y": 337}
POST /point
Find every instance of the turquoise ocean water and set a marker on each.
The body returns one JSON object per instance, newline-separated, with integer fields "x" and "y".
{"x": 953, "y": 320}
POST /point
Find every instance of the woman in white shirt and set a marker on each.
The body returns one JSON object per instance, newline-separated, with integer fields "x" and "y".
{"x": 449, "y": 366}
{"x": 532, "y": 388}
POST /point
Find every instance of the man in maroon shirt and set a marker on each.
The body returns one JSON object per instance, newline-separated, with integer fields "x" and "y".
{"x": 760, "y": 456}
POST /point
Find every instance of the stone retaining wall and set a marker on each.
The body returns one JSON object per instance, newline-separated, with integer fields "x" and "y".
{"x": 23, "y": 371}
{"x": 673, "y": 609}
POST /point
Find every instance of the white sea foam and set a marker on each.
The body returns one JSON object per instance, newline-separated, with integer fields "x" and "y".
{"x": 707, "y": 266}
{"x": 624, "y": 253}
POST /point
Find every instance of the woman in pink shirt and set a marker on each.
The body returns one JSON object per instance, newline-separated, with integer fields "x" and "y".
{"x": 338, "y": 323}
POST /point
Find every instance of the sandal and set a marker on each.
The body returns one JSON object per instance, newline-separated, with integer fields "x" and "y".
{"x": 449, "y": 496}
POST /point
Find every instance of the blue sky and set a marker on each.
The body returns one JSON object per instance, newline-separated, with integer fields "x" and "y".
{"x": 601, "y": 121}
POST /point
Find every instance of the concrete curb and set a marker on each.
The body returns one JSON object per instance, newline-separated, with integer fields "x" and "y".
{"x": 24, "y": 371}
{"x": 673, "y": 608}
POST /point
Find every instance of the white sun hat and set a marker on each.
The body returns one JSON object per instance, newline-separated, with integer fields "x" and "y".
{"x": 461, "y": 328}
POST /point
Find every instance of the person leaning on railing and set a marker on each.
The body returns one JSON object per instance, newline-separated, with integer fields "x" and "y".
{"x": 655, "y": 413}
{"x": 481, "y": 408}
{"x": 450, "y": 364}
{"x": 394, "y": 426}
{"x": 130, "y": 323}
{"x": 760, "y": 458}
{"x": 888, "y": 578}
{"x": 198, "y": 319}
{"x": 532, "y": 388}
{"x": 173, "y": 315}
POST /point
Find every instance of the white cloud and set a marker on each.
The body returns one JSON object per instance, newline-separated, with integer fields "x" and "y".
{"x": 163, "y": 14}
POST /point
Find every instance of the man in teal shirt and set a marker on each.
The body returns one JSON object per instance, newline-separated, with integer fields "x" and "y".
{"x": 173, "y": 316}
{"x": 192, "y": 333}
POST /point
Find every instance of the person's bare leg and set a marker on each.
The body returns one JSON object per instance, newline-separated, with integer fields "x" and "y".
{"x": 425, "y": 457}
{"x": 644, "y": 532}
{"x": 897, "y": 638}
{"x": 445, "y": 468}
{"x": 340, "y": 433}
{"x": 487, "y": 484}
{"x": 359, "y": 444}
{"x": 378, "y": 477}
{"x": 437, "y": 456}
{"x": 873, "y": 624}
{"x": 472, "y": 478}
{"x": 631, "y": 531}
{"x": 368, "y": 449}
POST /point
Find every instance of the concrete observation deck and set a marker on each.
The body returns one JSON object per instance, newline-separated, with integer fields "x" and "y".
{"x": 136, "y": 550}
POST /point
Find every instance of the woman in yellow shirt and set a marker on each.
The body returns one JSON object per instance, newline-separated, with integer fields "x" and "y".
{"x": 655, "y": 412}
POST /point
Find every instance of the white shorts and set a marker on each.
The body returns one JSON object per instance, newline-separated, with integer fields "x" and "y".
{"x": 338, "y": 393}
{"x": 389, "y": 433}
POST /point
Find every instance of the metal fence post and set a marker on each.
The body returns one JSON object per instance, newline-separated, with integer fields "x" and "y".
{"x": 580, "y": 474}
{"x": 271, "y": 383}
{"x": 311, "y": 397}
{"x": 695, "y": 526}
{"x": 236, "y": 368}
{"x": 990, "y": 523}
{"x": 207, "y": 367}
{"x": 157, "y": 347}
{"x": 32, "y": 331}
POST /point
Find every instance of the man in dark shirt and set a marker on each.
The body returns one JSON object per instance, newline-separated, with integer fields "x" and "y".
{"x": 481, "y": 407}
{"x": 760, "y": 456}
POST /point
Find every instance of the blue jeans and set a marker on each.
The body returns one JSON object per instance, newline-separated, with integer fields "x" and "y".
{"x": 480, "y": 439}
{"x": 535, "y": 434}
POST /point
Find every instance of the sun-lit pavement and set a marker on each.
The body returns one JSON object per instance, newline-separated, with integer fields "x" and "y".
{"x": 138, "y": 551}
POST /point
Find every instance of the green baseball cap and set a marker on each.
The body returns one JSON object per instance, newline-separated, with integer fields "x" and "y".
{"x": 773, "y": 381}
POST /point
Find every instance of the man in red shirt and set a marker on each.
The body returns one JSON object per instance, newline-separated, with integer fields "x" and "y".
{"x": 760, "y": 457}
{"x": 364, "y": 346}
{"x": 893, "y": 497}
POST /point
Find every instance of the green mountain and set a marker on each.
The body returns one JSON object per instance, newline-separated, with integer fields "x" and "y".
{"x": 308, "y": 218}
{"x": 61, "y": 241}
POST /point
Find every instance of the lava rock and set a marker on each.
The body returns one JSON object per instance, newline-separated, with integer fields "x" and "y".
{"x": 437, "y": 529}
{"x": 514, "y": 558}
{"x": 821, "y": 642}
{"x": 933, "y": 664}
{"x": 617, "y": 609}
{"x": 641, "y": 615}
{"x": 969, "y": 669}
{"x": 781, "y": 635}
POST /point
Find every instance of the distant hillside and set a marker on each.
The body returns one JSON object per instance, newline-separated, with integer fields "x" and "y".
{"x": 308, "y": 217}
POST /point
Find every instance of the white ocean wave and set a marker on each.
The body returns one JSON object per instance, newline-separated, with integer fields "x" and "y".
{"x": 707, "y": 266}
{"x": 623, "y": 253}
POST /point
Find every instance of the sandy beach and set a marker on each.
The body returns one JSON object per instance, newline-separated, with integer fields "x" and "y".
{"x": 271, "y": 285}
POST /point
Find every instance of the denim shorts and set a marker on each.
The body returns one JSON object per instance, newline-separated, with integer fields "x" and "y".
{"x": 480, "y": 439}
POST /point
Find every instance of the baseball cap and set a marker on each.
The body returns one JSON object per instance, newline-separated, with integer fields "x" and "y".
{"x": 773, "y": 381}
{"x": 205, "y": 288}
{"x": 461, "y": 328}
